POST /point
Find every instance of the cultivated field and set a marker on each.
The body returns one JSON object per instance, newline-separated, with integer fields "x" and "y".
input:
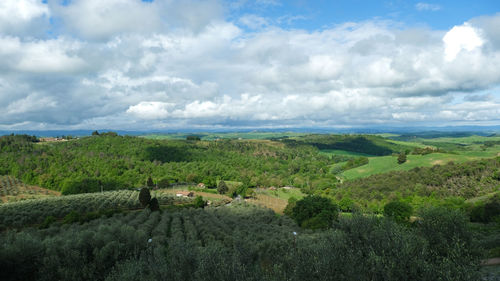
{"x": 12, "y": 189}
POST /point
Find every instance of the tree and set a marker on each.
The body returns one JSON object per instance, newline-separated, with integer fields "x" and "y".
{"x": 292, "y": 201}
{"x": 144, "y": 196}
{"x": 199, "y": 202}
{"x": 222, "y": 187}
{"x": 163, "y": 183}
{"x": 95, "y": 133}
{"x": 401, "y": 158}
{"x": 154, "y": 205}
{"x": 149, "y": 182}
{"x": 315, "y": 212}
{"x": 399, "y": 211}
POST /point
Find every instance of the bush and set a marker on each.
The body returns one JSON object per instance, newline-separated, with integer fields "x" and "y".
{"x": 153, "y": 205}
{"x": 399, "y": 211}
{"x": 315, "y": 212}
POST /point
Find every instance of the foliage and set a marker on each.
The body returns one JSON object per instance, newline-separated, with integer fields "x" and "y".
{"x": 123, "y": 162}
{"x": 144, "y": 196}
{"x": 149, "y": 182}
{"x": 238, "y": 243}
{"x": 199, "y": 202}
{"x": 355, "y": 162}
{"x": 21, "y": 213}
{"x": 292, "y": 201}
{"x": 401, "y": 158}
{"x": 315, "y": 212}
{"x": 222, "y": 187}
{"x": 154, "y": 205}
{"x": 368, "y": 144}
{"x": 486, "y": 211}
{"x": 398, "y": 210}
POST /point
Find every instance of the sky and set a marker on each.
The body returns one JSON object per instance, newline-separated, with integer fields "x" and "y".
{"x": 164, "y": 64}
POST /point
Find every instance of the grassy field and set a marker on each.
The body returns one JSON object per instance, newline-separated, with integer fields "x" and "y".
{"x": 385, "y": 164}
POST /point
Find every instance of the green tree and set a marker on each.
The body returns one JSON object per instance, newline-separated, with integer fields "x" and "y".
{"x": 199, "y": 202}
{"x": 149, "y": 182}
{"x": 399, "y": 211}
{"x": 292, "y": 201}
{"x": 95, "y": 133}
{"x": 154, "y": 205}
{"x": 315, "y": 212}
{"x": 163, "y": 183}
{"x": 401, "y": 158}
{"x": 144, "y": 196}
{"x": 222, "y": 187}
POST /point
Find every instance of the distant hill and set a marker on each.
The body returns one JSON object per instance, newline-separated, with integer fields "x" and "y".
{"x": 367, "y": 144}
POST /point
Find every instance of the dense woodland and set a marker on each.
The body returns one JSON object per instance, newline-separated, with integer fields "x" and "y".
{"x": 117, "y": 162}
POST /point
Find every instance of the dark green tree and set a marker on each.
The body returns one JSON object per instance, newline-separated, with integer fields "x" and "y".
{"x": 222, "y": 187}
{"x": 401, "y": 158}
{"x": 95, "y": 133}
{"x": 149, "y": 182}
{"x": 315, "y": 212}
{"x": 144, "y": 196}
{"x": 199, "y": 202}
{"x": 399, "y": 211}
{"x": 154, "y": 205}
{"x": 163, "y": 183}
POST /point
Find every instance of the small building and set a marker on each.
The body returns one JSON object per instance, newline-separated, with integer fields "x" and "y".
{"x": 201, "y": 185}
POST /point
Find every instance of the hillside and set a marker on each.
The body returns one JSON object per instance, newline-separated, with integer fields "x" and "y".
{"x": 456, "y": 181}
{"x": 366, "y": 144}
{"x": 116, "y": 162}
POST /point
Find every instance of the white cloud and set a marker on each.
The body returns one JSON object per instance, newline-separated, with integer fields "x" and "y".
{"x": 421, "y": 6}
{"x": 463, "y": 37}
{"x": 150, "y": 110}
{"x": 23, "y": 16}
{"x": 182, "y": 70}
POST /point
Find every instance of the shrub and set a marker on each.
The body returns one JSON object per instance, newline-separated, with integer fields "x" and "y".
{"x": 399, "y": 211}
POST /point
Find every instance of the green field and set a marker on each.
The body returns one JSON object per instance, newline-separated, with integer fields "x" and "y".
{"x": 284, "y": 194}
{"x": 383, "y": 164}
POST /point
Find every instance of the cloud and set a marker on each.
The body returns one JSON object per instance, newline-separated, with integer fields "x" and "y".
{"x": 182, "y": 69}
{"x": 421, "y": 6}
{"x": 150, "y": 110}
{"x": 464, "y": 37}
{"x": 102, "y": 20}
{"x": 23, "y": 17}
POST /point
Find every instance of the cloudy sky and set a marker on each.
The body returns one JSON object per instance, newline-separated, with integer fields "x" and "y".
{"x": 165, "y": 64}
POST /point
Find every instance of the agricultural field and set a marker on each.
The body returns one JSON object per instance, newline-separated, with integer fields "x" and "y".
{"x": 27, "y": 212}
{"x": 12, "y": 189}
